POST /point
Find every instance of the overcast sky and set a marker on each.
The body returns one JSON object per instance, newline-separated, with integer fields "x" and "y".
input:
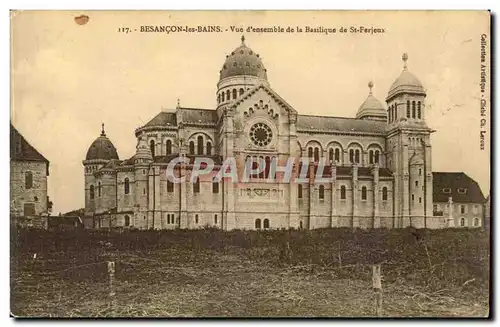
{"x": 68, "y": 78}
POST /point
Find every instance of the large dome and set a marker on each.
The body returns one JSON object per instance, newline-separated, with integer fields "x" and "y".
{"x": 372, "y": 107}
{"x": 406, "y": 82}
{"x": 243, "y": 61}
{"x": 102, "y": 149}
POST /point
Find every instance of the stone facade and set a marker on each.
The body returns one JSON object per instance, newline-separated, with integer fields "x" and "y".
{"x": 28, "y": 178}
{"x": 379, "y": 163}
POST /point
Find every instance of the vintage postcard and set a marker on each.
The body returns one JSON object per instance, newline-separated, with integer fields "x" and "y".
{"x": 250, "y": 164}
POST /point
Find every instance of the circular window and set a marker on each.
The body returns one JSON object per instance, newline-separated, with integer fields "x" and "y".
{"x": 261, "y": 134}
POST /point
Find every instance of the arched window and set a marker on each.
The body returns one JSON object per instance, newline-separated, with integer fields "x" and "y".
{"x": 196, "y": 219}
{"x": 235, "y": 94}
{"x": 384, "y": 193}
{"x": 377, "y": 156}
{"x": 342, "y": 192}
{"x": 321, "y": 192}
{"x": 330, "y": 154}
{"x": 351, "y": 155}
{"x": 257, "y": 223}
{"x": 413, "y": 198}
{"x": 169, "y": 147}
{"x": 300, "y": 225}
{"x": 209, "y": 149}
{"x": 91, "y": 191}
{"x": 191, "y": 147}
{"x": 462, "y": 222}
{"x": 99, "y": 189}
{"x": 419, "y": 110}
{"x": 200, "y": 144}
{"x": 395, "y": 112}
{"x": 389, "y": 113}
{"x": 152, "y": 147}
{"x": 261, "y": 173}
{"x": 241, "y": 91}
{"x": 218, "y": 98}
{"x": 413, "y": 110}
{"x": 127, "y": 220}
{"x": 255, "y": 165}
{"x": 310, "y": 152}
{"x": 337, "y": 155}
{"x": 170, "y": 186}
{"x": 316, "y": 154}
{"x": 196, "y": 185}
{"x": 363, "y": 193}
{"x": 299, "y": 191}
{"x": 476, "y": 222}
{"x": 215, "y": 186}
{"x": 228, "y": 95}
{"x": 371, "y": 156}
{"x": 408, "y": 115}
{"x": 268, "y": 167}
{"x": 28, "y": 180}
{"x": 215, "y": 219}
{"x": 266, "y": 223}
{"x": 357, "y": 156}
{"x": 126, "y": 186}
{"x": 223, "y": 97}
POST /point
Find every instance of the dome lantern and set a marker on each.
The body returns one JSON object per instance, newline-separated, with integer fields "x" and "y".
{"x": 371, "y": 108}
{"x": 243, "y": 61}
{"x": 102, "y": 148}
{"x": 406, "y": 82}
{"x": 406, "y": 98}
{"x": 242, "y": 70}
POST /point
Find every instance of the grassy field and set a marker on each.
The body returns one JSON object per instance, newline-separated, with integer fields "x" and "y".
{"x": 210, "y": 273}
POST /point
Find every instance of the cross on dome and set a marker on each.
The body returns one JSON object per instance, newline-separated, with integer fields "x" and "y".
{"x": 243, "y": 39}
{"x": 370, "y": 85}
{"x": 102, "y": 130}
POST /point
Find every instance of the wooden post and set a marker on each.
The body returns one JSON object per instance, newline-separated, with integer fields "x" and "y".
{"x": 377, "y": 287}
{"x": 111, "y": 273}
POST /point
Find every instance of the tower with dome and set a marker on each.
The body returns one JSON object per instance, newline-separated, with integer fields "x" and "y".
{"x": 379, "y": 161}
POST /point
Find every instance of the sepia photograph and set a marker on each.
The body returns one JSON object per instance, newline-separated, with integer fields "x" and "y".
{"x": 250, "y": 164}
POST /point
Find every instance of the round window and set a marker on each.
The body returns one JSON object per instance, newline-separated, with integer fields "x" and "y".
{"x": 261, "y": 134}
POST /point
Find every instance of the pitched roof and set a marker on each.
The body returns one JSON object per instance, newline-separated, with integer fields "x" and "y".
{"x": 455, "y": 181}
{"x": 129, "y": 161}
{"x": 339, "y": 124}
{"x": 163, "y": 119}
{"x": 196, "y": 115}
{"x": 21, "y": 150}
{"x": 189, "y": 115}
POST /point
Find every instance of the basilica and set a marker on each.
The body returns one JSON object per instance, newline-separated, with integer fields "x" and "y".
{"x": 379, "y": 161}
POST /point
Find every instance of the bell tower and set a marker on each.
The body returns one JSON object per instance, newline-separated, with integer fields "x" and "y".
{"x": 409, "y": 150}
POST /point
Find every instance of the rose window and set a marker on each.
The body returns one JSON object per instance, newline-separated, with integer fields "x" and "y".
{"x": 261, "y": 134}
